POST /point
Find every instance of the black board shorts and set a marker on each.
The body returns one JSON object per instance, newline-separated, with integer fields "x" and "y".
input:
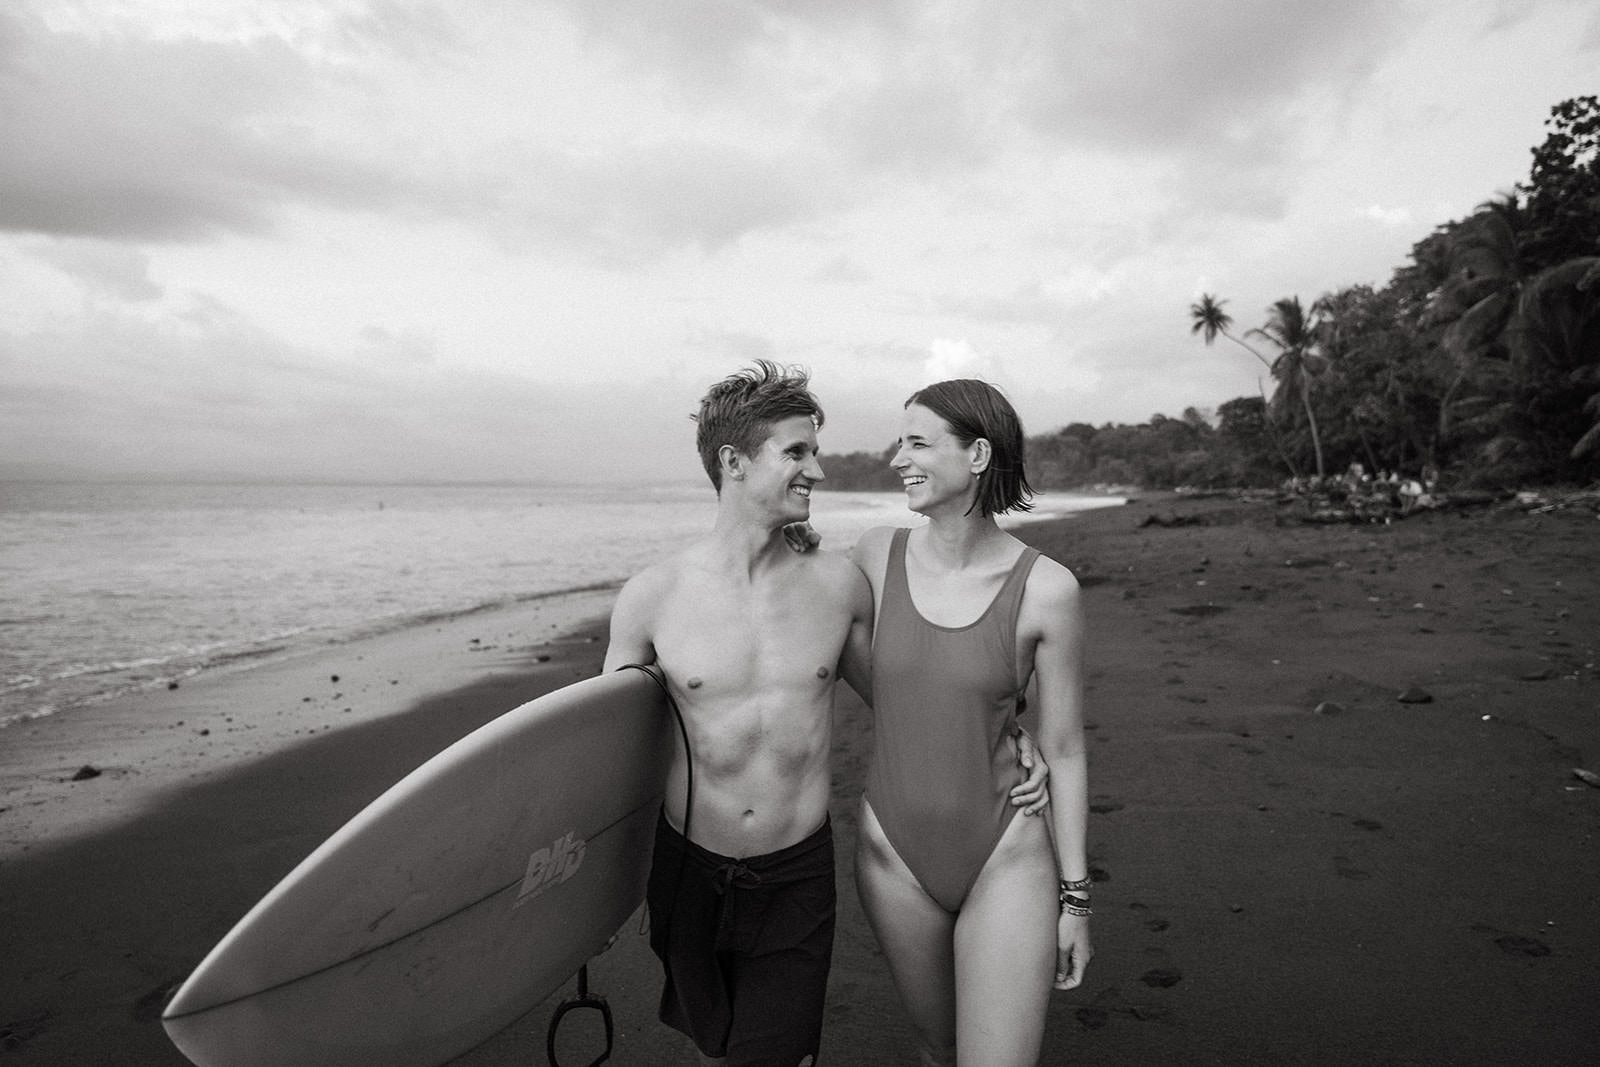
{"x": 745, "y": 945}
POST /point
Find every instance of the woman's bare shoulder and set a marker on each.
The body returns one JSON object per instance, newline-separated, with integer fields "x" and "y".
{"x": 1052, "y": 581}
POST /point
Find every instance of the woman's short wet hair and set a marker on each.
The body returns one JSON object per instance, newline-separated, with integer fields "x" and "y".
{"x": 741, "y": 410}
{"x": 974, "y": 409}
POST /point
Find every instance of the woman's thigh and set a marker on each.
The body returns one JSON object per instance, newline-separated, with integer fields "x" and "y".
{"x": 1005, "y": 950}
{"x": 915, "y": 933}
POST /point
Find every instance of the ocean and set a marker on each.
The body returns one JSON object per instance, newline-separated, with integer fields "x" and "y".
{"x": 106, "y": 588}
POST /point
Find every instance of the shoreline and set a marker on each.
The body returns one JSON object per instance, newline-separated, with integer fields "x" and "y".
{"x": 1293, "y": 866}
{"x": 148, "y": 741}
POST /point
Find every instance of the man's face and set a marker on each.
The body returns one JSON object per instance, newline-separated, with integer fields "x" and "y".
{"x": 785, "y": 467}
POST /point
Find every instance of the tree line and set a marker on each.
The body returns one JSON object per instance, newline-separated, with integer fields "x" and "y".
{"x": 1478, "y": 363}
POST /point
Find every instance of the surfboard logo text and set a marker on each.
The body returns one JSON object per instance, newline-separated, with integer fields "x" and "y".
{"x": 551, "y": 866}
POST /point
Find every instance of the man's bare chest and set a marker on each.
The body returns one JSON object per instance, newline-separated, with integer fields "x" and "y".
{"x": 771, "y": 637}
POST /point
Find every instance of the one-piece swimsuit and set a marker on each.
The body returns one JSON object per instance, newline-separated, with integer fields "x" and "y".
{"x": 944, "y": 711}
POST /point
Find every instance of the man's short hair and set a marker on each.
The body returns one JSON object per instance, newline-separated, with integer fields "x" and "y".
{"x": 741, "y": 410}
{"x": 974, "y": 409}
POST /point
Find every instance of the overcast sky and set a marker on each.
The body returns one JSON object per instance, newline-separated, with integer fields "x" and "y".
{"x": 394, "y": 239}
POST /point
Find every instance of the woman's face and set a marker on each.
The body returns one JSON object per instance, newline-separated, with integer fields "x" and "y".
{"x": 933, "y": 464}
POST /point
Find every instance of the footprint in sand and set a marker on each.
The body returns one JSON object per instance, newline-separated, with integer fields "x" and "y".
{"x": 1513, "y": 944}
{"x": 1092, "y": 1018}
{"x": 1160, "y": 978}
{"x": 1342, "y": 868}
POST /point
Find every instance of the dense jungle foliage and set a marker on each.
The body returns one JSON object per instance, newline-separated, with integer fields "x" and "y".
{"x": 1478, "y": 363}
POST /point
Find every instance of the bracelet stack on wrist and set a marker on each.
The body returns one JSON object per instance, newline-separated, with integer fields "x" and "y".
{"x": 1074, "y": 897}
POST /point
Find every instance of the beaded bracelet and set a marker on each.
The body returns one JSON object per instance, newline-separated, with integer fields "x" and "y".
{"x": 1078, "y": 906}
{"x": 1071, "y": 903}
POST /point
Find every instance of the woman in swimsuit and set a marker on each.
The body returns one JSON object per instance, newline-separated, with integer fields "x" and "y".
{"x": 979, "y": 913}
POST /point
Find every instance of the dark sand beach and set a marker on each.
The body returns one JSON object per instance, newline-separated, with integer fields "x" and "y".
{"x": 1294, "y": 866}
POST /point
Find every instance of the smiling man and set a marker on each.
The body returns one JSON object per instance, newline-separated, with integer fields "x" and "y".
{"x": 751, "y": 638}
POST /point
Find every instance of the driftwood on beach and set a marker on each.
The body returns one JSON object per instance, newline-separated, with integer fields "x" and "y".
{"x": 1340, "y": 503}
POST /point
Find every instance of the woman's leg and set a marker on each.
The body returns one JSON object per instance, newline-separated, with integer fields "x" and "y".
{"x": 1005, "y": 950}
{"x": 917, "y": 939}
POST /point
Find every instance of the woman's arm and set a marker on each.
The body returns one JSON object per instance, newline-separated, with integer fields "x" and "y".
{"x": 1058, "y": 669}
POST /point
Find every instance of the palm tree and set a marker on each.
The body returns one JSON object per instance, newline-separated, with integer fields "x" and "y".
{"x": 1517, "y": 330}
{"x": 1298, "y": 362}
{"x": 1477, "y": 306}
{"x": 1209, "y": 319}
{"x": 1558, "y": 312}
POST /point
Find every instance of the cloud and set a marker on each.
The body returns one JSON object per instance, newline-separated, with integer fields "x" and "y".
{"x": 958, "y": 358}
{"x": 1389, "y": 216}
{"x": 210, "y": 392}
{"x": 129, "y": 137}
{"x": 103, "y": 269}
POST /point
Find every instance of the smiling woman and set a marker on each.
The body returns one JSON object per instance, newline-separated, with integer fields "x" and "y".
{"x": 977, "y": 910}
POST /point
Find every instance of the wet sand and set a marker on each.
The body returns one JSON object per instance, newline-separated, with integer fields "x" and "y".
{"x": 1293, "y": 865}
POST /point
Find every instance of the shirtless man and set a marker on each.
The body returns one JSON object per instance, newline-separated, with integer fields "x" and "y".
{"x": 751, "y": 638}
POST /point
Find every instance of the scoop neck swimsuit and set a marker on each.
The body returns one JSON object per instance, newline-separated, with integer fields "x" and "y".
{"x": 944, "y": 703}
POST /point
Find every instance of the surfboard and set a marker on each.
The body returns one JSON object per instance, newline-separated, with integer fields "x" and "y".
{"x": 453, "y": 903}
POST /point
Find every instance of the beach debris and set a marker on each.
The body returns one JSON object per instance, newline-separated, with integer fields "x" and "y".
{"x": 334, "y": 679}
{"x": 1160, "y": 978}
{"x": 87, "y": 771}
{"x": 1309, "y": 561}
{"x": 1542, "y": 503}
{"x": 1543, "y": 674}
{"x": 1586, "y": 777}
{"x": 1329, "y": 707}
{"x": 172, "y": 684}
{"x": 1358, "y": 498}
{"x": 1172, "y": 519}
{"x": 1414, "y": 694}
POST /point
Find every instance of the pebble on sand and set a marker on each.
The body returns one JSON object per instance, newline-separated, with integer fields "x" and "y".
{"x": 1414, "y": 694}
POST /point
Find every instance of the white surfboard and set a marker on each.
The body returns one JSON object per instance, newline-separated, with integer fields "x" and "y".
{"x": 453, "y": 903}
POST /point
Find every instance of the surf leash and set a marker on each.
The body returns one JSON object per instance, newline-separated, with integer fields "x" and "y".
{"x": 585, "y": 999}
{"x": 683, "y": 731}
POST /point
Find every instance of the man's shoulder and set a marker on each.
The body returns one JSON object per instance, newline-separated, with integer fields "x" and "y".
{"x": 654, "y": 581}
